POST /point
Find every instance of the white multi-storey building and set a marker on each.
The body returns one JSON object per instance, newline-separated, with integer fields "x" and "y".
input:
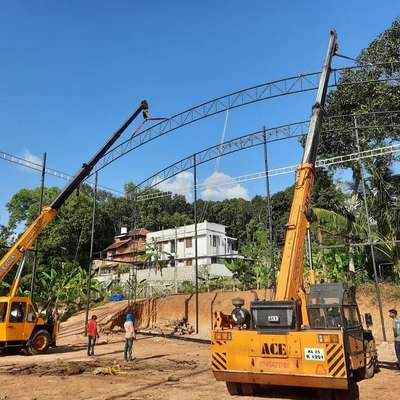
{"x": 174, "y": 256}
{"x": 177, "y": 245}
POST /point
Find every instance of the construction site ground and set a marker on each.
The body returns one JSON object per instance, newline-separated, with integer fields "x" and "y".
{"x": 164, "y": 368}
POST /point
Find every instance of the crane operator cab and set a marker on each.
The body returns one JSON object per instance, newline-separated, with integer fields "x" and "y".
{"x": 329, "y": 306}
{"x": 22, "y": 329}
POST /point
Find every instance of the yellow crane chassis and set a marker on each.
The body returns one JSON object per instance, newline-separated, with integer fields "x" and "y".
{"x": 308, "y": 358}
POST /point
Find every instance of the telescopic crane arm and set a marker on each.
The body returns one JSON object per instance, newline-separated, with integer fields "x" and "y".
{"x": 26, "y": 240}
{"x": 290, "y": 280}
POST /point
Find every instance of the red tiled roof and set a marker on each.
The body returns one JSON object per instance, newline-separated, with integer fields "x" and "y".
{"x": 115, "y": 245}
{"x": 139, "y": 232}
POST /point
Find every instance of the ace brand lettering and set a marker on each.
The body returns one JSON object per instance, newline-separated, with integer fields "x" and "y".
{"x": 274, "y": 349}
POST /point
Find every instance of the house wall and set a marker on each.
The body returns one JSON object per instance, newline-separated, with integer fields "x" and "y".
{"x": 169, "y": 276}
{"x": 211, "y": 242}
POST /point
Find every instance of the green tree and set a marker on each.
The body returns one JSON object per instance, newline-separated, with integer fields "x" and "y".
{"x": 255, "y": 269}
{"x": 62, "y": 288}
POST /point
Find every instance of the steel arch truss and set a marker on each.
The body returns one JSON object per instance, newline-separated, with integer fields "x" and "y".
{"x": 282, "y": 87}
{"x": 374, "y": 120}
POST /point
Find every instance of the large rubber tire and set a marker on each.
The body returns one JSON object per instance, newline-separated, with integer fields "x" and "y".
{"x": 351, "y": 394}
{"x": 234, "y": 388}
{"x": 249, "y": 389}
{"x": 40, "y": 342}
{"x": 324, "y": 394}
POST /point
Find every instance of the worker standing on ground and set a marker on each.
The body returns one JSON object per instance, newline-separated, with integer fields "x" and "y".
{"x": 93, "y": 334}
{"x": 129, "y": 336}
{"x": 396, "y": 333}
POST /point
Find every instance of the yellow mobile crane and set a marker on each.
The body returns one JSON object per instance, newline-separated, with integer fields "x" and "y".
{"x": 314, "y": 339}
{"x": 20, "y": 325}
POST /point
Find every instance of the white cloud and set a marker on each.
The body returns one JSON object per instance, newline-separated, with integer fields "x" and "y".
{"x": 181, "y": 184}
{"x": 31, "y": 158}
{"x": 220, "y": 186}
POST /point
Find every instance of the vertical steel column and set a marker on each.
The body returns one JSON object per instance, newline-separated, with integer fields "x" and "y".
{"x": 34, "y": 267}
{"x": 269, "y": 211}
{"x": 89, "y": 277}
{"x": 130, "y": 279}
{"x": 196, "y": 264}
{"x": 176, "y": 262}
{"x": 364, "y": 192}
{"x": 135, "y": 216}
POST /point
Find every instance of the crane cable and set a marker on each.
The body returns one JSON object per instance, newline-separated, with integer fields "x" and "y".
{"x": 217, "y": 161}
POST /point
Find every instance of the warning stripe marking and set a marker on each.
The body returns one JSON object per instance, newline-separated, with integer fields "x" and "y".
{"x": 215, "y": 361}
{"x": 340, "y": 369}
{"x": 219, "y": 360}
{"x": 336, "y": 362}
{"x": 220, "y": 357}
{"x": 330, "y": 349}
{"x": 333, "y": 355}
{"x": 333, "y": 360}
{"x": 215, "y": 366}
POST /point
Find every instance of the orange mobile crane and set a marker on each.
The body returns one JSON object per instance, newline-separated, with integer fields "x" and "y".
{"x": 314, "y": 339}
{"x": 20, "y": 325}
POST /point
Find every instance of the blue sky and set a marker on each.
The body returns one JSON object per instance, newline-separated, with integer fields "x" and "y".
{"x": 72, "y": 71}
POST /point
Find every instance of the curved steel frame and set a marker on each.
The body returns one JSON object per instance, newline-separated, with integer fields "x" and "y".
{"x": 323, "y": 163}
{"x": 374, "y": 120}
{"x": 282, "y": 87}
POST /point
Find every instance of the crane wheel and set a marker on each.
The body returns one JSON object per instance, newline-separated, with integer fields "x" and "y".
{"x": 40, "y": 342}
{"x": 234, "y": 388}
{"x": 249, "y": 389}
{"x": 324, "y": 394}
{"x": 351, "y": 393}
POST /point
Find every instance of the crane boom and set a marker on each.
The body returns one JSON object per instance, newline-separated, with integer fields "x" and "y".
{"x": 290, "y": 280}
{"x": 26, "y": 240}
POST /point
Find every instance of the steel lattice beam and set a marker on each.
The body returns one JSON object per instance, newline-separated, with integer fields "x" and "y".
{"x": 373, "y": 120}
{"x": 282, "y": 87}
{"x": 49, "y": 171}
{"x": 231, "y": 146}
{"x": 325, "y": 163}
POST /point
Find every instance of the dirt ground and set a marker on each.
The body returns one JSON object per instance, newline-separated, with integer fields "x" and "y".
{"x": 164, "y": 369}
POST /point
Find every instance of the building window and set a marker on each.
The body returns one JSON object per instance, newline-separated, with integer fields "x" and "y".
{"x": 188, "y": 262}
{"x": 232, "y": 245}
{"x": 189, "y": 243}
{"x": 215, "y": 241}
{"x": 213, "y": 260}
{"x": 173, "y": 247}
